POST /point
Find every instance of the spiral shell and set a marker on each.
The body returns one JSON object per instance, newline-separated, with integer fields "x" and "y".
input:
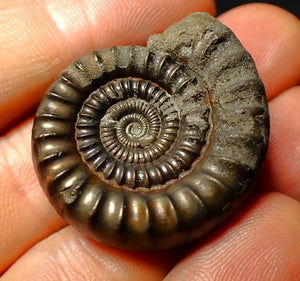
{"x": 151, "y": 147}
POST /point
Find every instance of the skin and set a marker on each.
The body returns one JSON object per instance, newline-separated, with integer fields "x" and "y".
{"x": 37, "y": 40}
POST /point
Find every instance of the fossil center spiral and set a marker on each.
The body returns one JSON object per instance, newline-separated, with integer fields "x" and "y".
{"x": 133, "y": 131}
{"x": 134, "y": 122}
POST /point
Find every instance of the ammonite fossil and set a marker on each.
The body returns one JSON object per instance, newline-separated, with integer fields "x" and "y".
{"x": 151, "y": 147}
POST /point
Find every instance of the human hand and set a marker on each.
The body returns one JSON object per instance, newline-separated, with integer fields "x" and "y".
{"x": 38, "y": 39}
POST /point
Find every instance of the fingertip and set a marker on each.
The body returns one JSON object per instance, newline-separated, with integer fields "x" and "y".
{"x": 140, "y": 19}
{"x": 68, "y": 255}
{"x": 261, "y": 244}
{"x": 282, "y": 166}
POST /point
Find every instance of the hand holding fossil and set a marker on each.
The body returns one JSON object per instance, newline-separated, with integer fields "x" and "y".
{"x": 266, "y": 230}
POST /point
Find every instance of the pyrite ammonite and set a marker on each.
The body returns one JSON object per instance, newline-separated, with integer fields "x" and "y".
{"x": 151, "y": 147}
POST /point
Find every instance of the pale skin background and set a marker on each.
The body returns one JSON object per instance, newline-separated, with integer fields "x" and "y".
{"x": 37, "y": 40}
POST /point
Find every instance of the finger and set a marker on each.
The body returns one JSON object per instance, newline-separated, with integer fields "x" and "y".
{"x": 261, "y": 244}
{"x": 67, "y": 255}
{"x": 272, "y": 36}
{"x": 282, "y": 166}
{"x": 42, "y": 37}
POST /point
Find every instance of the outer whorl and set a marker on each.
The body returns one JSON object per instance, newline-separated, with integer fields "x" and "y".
{"x": 151, "y": 147}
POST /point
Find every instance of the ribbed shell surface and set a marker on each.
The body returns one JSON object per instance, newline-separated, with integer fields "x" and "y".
{"x": 148, "y": 148}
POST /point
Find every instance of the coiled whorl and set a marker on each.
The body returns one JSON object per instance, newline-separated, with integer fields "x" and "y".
{"x": 151, "y": 147}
